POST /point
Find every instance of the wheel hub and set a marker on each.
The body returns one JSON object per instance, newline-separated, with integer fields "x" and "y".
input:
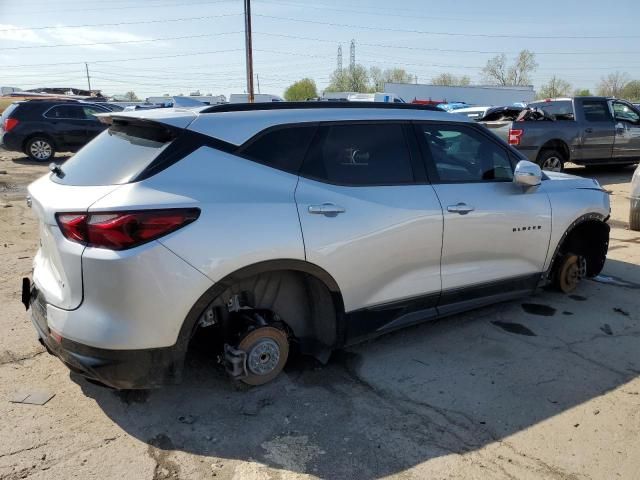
{"x": 552, "y": 164}
{"x": 41, "y": 150}
{"x": 573, "y": 271}
{"x": 263, "y": 358}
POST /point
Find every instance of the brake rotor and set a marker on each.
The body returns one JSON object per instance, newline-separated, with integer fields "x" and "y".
{"x": 572, "y": 270}
{"x": 267, "y": 350}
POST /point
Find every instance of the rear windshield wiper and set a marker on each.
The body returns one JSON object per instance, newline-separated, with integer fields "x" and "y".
{"x": 56, "y": 170}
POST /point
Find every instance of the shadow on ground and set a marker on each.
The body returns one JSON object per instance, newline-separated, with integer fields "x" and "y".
{"x": 451, "y": 386}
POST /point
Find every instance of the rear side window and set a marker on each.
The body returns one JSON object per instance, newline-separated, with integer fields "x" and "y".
{"x": 66, "y": 112}
{"x": 282, "y": 148}
{"x": 561, "y": 109}
{"x": 360, "y": 154}
{"x": 114, "y": 157}
{"x": 596, "y": 111}
{"x": 7, "y": 111}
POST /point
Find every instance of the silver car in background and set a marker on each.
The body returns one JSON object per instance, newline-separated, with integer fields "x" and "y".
{"x": 290, "y": 226}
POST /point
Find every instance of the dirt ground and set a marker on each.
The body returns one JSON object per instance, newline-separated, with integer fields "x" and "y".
{"x": 545, "y": 387}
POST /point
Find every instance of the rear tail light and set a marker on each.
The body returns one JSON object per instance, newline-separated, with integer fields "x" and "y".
{"x": 9, "y": 124}
{"x": 514, "y": 136}
{"x": 123, "y": 230}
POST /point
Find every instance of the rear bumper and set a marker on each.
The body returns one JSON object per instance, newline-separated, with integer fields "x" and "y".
{"x": 12, "y": 142}
{"x": 120, "y": 369}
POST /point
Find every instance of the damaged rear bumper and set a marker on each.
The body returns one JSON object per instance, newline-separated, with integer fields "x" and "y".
{"x": 119, "y": 369}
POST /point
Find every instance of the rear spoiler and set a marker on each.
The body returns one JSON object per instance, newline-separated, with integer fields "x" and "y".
{"x": 139, "y": 127}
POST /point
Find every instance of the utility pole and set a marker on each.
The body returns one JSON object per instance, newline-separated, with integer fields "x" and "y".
{"x": 339, "y": 66}
{"x": 248, "y": 50}
{"x": 86, "y": 67}
{"x": 258, "y": 81}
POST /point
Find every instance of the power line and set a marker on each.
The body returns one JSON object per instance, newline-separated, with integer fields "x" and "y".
{"x": 119, "y": 42}
{"x": 454, "y": 34}
{"x": 144, "y": 5}
{"x": 125, "y": 59}
{"x": 118, "y": 24}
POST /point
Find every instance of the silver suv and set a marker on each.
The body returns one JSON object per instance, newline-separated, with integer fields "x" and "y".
{"x": 305, "y": 226}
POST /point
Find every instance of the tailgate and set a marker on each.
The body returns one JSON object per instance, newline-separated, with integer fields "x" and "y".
{"x": 57, "y": 266}
{"x": 499, "y": 128}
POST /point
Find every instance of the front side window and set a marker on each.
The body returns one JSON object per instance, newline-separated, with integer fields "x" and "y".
{"x": 360, "y": 154}
{"x": 625, "y": 113}
{"x": 596, "y": 111}
{"x": 460, "y": 154}
{"x": 283, "y": 148}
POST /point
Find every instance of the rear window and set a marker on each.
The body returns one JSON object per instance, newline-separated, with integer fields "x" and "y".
{"x": 114, "y": 157}
{"x": 7, "y": 111}
{"x": 561, "y": 110}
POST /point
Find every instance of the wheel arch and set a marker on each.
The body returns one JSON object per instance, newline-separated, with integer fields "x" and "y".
{"x": 584, "y": 227}
{"x": 39, "y": 134}
{"x": 277, "y": 276}
{"x": 558, "y": 145}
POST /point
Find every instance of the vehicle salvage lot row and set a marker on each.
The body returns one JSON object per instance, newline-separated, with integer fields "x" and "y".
{"x": 545, "y": 387}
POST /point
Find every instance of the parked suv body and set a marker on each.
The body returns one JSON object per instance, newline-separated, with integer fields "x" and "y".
{"x": 312, "y": 225}
{"x": 39, "y": 128}
{"x": 586, "y": 131}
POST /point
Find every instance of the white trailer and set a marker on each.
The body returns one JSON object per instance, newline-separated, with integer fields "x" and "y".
{"x": 473, "y": 94}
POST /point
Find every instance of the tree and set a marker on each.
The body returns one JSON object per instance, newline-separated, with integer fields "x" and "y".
{"x": 497, "y": 71}
{"x": 379, "y": 77}
{"x": 555, "y": 88}
{"x": 582, "y": 92}
{"x": 131, "y": 97}
{"x": 449, "y": 79}
{"x": 613, "y": 84}
{"x": 631, "y": 90}
{"x": 301, "y": 90}
{"x": 353, "y": 79}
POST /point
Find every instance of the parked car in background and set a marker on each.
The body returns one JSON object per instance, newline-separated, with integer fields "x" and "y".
{"x": 581, "y": 130}
{"x": 634, "y": 211}
{"x": 40, "y": 128}
{"x": 452, "y": 106}
{"x": 311, "y": 225}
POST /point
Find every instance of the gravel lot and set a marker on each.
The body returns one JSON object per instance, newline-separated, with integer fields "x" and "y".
{"x": 545, "y": 387}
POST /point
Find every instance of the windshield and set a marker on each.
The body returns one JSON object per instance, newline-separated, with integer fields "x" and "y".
{"x": 114, "y": 157}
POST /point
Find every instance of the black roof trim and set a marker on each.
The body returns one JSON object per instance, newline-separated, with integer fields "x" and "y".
{"x": 248, "y": 107}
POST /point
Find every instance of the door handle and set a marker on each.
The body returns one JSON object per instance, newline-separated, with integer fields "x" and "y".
{"x": 461, "y": 208}
{"x": 328, "y": 209}
{"x": 588, "y": 130}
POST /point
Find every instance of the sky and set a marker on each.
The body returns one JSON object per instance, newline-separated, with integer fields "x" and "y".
{"x": 155, "y": 47}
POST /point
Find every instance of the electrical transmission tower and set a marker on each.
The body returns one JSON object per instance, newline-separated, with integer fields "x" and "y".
{"x": 352, "y": 55}
{"x": 340, "y": 58}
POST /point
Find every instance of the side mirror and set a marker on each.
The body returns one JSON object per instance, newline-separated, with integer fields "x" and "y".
{"x": 527, "y": 174}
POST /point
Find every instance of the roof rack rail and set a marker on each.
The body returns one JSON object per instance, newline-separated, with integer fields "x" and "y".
{"x": 247, "y": 107}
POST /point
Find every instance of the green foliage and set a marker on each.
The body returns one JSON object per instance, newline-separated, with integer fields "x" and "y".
{"x": 301, "y": 90}
{"x": 498, "y": 72}
{"x": 555, "y": 88}
{"x": 448, "y": 79}
{"x": 631, "y": 91}
{"x": 379, "y": 77}
{"x": 354, "y": 79}
{"x": 584, "y": 92}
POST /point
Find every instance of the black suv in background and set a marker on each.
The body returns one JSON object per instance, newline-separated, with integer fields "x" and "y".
{"x": 40, "y": 128}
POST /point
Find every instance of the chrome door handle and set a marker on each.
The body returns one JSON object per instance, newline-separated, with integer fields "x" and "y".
{"x": 461, "y": 208}
{"x": 328, "y": 209}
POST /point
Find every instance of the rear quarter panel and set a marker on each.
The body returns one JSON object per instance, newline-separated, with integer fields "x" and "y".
{"x": 248, "y": 211}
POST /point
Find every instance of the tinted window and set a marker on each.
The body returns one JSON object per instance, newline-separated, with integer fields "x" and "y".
{"x": 625, "y": 112}
{"x": 460, "y": 154}
{"x": 596, "y": 111}
{"x": 89, "y": 112}
{"x": 561, "y": 109}
{"x": 360, "y": 154}
{"x": 66, "y": 112}
{"x": 112, "y": 158}
{"x": 283, "y": 148}
{"x": 8, "y": 111}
